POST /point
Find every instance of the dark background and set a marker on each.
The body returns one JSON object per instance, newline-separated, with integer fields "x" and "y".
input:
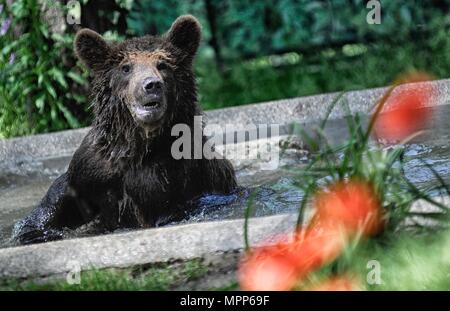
{"x": 252, "y": 51}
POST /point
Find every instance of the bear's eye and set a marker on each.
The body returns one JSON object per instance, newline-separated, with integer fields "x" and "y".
{"x": 162, "y": 66}
{"x": 126, "y": 68}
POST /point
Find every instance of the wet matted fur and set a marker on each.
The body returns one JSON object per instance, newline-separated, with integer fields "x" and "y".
{"x": 123, "y": 173}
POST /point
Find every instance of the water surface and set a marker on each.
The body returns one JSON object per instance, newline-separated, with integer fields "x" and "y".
{"x": 21, "y": 189}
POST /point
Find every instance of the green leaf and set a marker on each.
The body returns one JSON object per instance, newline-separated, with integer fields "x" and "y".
{"x": 77, "y": 77}
{"x": 40, "y": 102}
{"x": 59, "y": 77}
{"x": 73, "y": 122}
{"x": 50, "y": 89}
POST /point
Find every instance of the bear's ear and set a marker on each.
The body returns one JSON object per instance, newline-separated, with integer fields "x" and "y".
{"x": 91, "y": 49}
{"x": 185, "y": 33}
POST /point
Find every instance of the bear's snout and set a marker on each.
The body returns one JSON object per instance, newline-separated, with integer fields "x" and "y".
{"x": 149, "y": 104}
{"x": 153, "y": 86}
{"x": 151, "y": 91}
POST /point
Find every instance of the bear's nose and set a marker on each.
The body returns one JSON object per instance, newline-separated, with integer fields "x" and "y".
{"x": 152, "y": 85}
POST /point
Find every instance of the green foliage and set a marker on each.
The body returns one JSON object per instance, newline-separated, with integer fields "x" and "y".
{"x": 270, "y": 50}
{"x": 351, "y": 67}
{"x": 155, "y": 17}
{"x": 256, "y": 28}
{"x": 36, "y": 88}
{"x": 313, "y": 34}
{"x": 405, "y": 262}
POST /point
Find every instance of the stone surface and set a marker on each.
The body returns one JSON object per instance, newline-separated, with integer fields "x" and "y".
{"x": 149, "y": 246}
{"x": 138, "y": 247}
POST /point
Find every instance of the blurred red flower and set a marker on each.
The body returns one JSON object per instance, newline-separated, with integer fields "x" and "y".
{"x": 337, "y": 283}
{"x": 282, "y": 265}
{"x": 268, "y": 268}
{"x": 403, "y": 112}
{"x": 351, "y": 205}
{"x": 316, "y": 247}
{"x": 343, "y": 210}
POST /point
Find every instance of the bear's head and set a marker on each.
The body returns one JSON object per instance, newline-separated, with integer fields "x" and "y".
{"x": 143, "y": 84}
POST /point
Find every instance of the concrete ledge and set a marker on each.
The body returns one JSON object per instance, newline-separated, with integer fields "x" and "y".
{"x": 156, "y": 245}
{"x": 42, "y": 145}
{"x": 314, "y": 108}
{"x": 138, "y": 247}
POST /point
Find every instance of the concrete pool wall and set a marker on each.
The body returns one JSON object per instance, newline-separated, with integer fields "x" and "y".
{"x": 174, "y": 242}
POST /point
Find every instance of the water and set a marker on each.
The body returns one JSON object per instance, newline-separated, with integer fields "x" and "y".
{"x": 24, "y": 183}
{"x": 21, "y": 188}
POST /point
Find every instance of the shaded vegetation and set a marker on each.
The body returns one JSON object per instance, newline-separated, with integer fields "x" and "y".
{"x": 41, "y": 89}
{"x": 251, "y": 52}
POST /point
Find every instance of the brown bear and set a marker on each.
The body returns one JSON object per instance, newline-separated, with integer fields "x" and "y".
{"x": 123, "y": 174}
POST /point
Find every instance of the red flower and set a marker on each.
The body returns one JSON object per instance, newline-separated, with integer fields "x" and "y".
{"x": 268, "y": 268}
{"x": 343, "y": 209}
{"x": 351, "y": 205}
{"x": 404, "y": 111}
{"x": 338, "y": 283}
{"x": 316, "y": 247}
{"x": 282, "y": 265}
